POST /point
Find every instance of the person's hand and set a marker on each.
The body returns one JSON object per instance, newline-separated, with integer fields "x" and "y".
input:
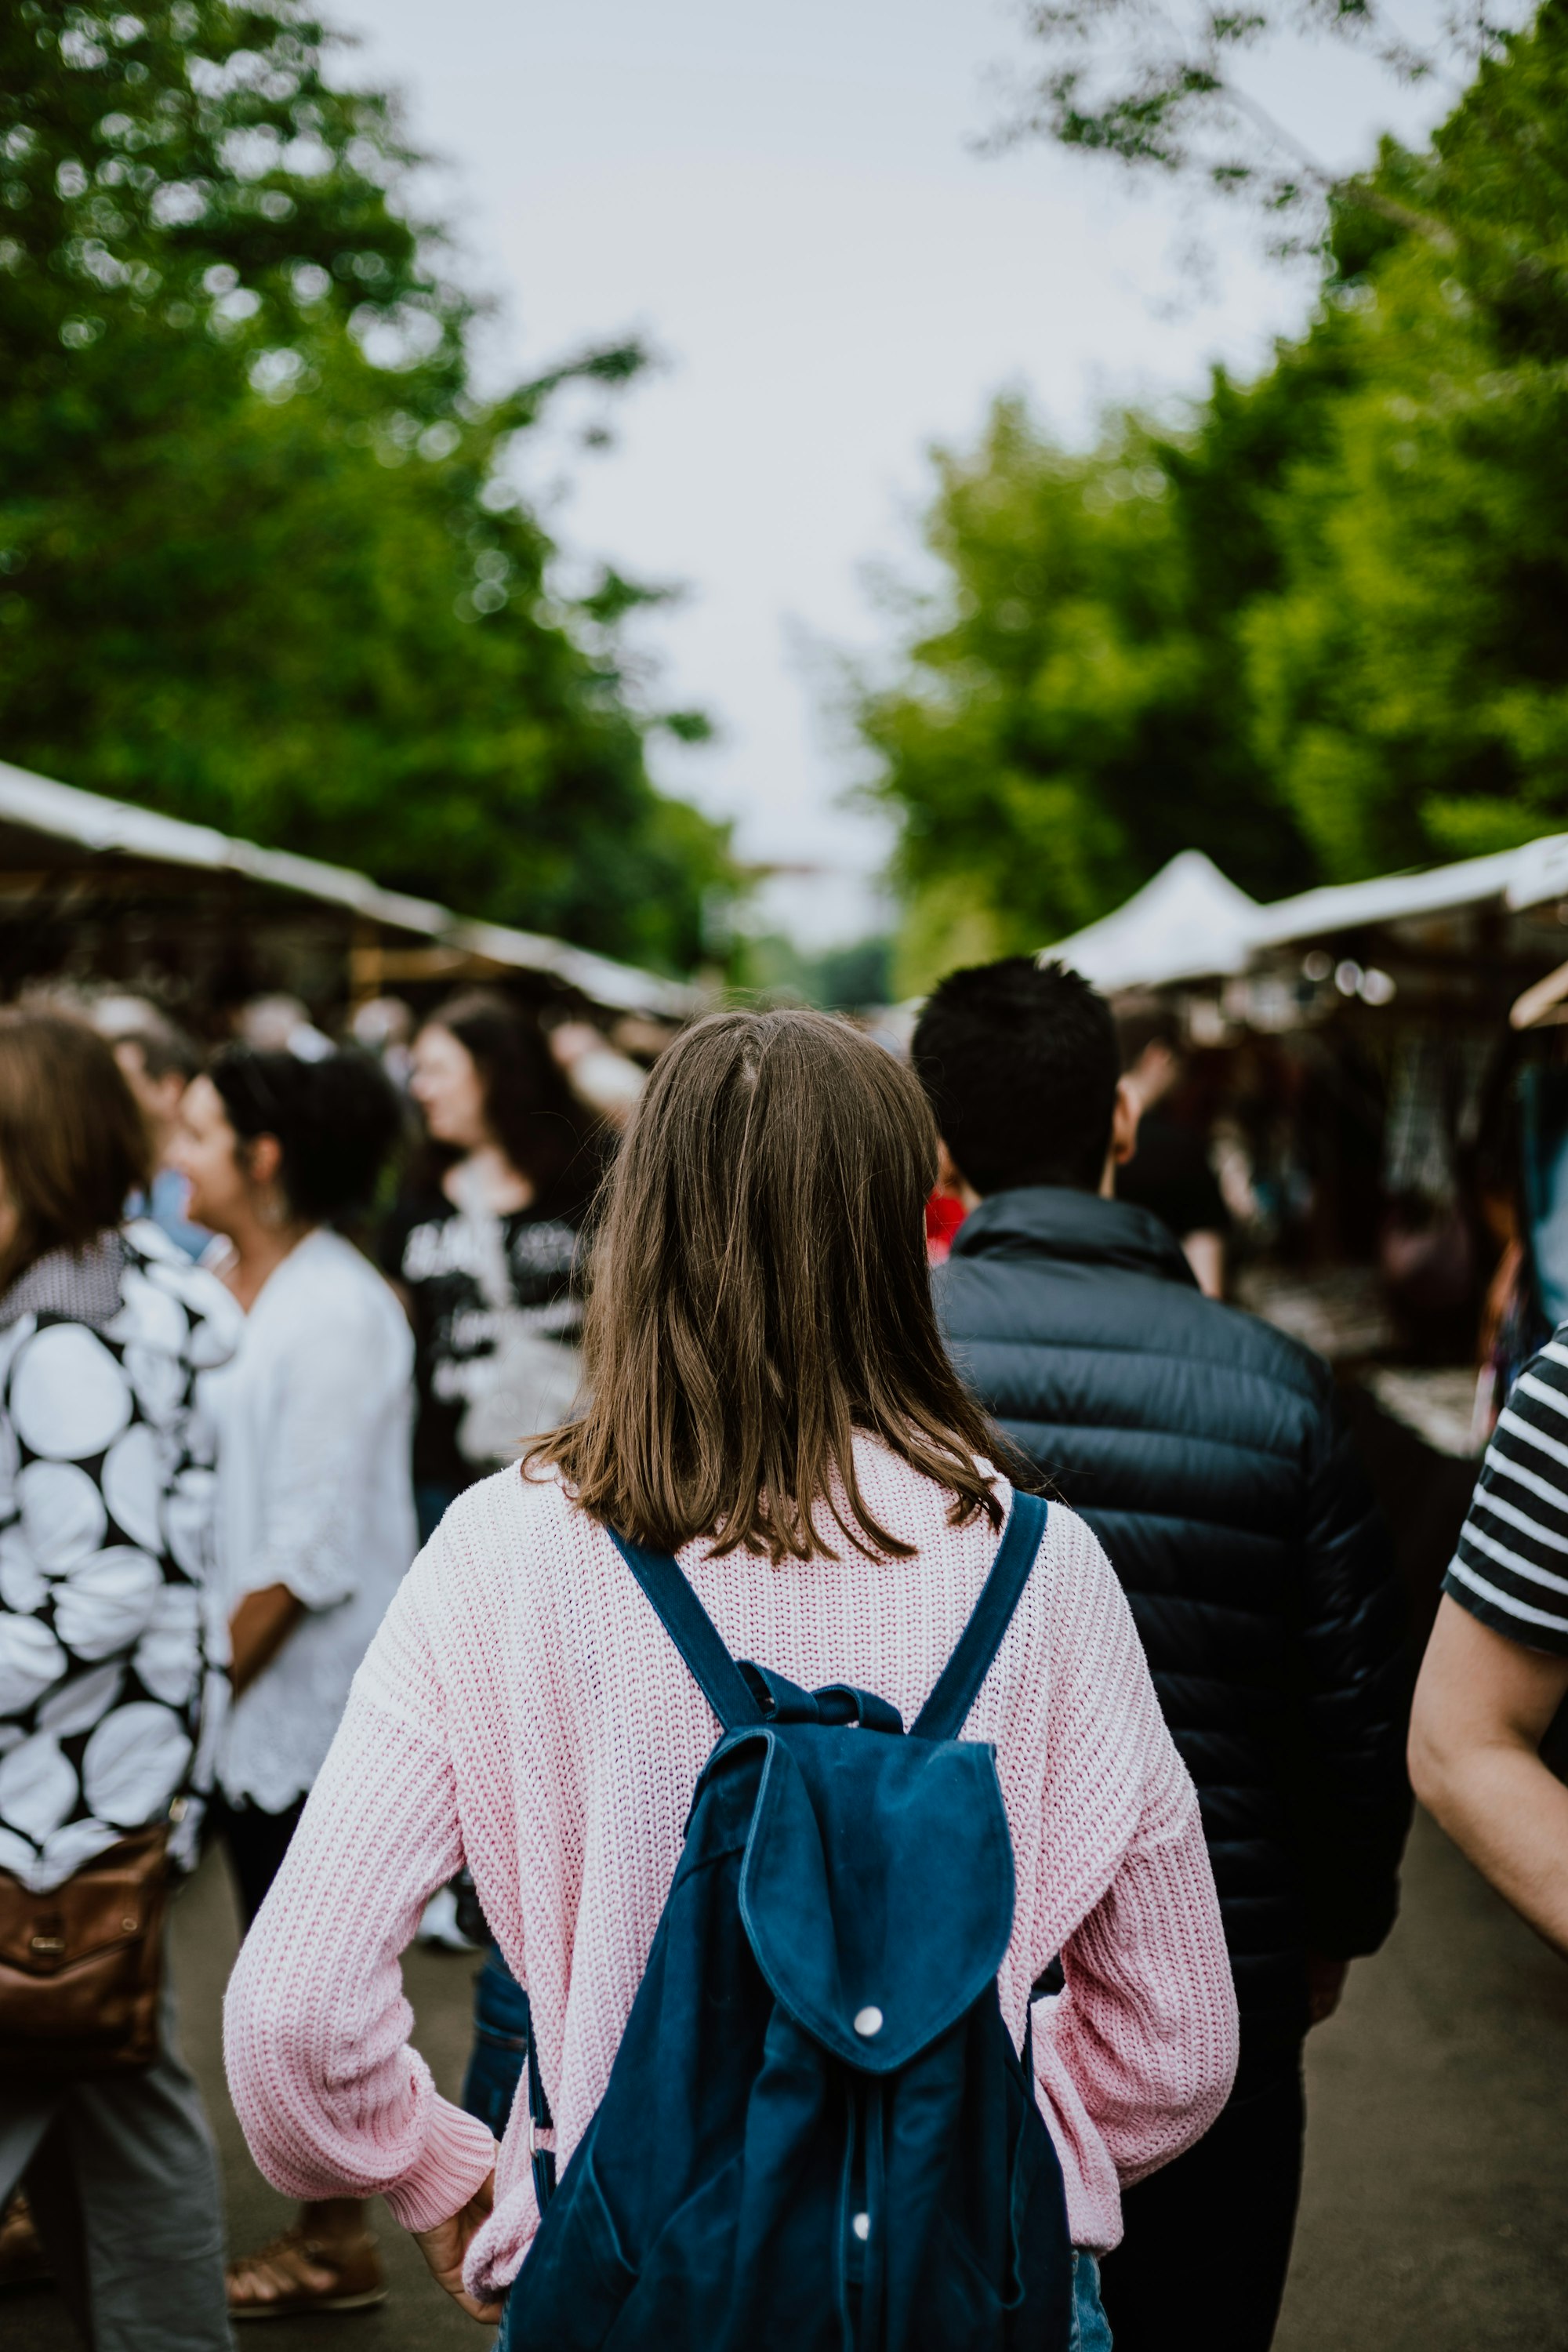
{"x": 1325, "y": 1984}
{"x": 446, "y": 2247}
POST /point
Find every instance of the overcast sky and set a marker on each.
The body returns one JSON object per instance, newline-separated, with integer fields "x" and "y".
{"x": 787, "y": 205}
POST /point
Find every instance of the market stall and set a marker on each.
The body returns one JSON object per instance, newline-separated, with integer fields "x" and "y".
{"x": 96, "y": 891}
{"x": 1377, "y": 1072}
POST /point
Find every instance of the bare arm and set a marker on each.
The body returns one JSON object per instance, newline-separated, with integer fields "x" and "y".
{"x": 1205, "y": 1253}
{"x": 1482, "y": 1707}
{"x": 258, "y": 1631}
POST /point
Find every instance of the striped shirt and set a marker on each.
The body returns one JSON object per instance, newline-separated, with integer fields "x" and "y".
{"x": 1512, "y": 1565}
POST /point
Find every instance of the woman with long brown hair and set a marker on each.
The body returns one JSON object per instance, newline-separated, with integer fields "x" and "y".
{"x": 770, "y": 1403}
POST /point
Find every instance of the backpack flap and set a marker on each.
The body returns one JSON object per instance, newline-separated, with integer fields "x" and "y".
{"x": 876, "y": 1889}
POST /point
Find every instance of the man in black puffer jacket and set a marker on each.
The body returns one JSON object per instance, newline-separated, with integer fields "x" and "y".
{"x": 1205, "y": 1451}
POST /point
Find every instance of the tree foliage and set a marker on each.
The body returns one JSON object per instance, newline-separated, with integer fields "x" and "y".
{"x": 262, "y": 565}
{"x": 1165, "y": 90}
{"x": 1321, "y": 630}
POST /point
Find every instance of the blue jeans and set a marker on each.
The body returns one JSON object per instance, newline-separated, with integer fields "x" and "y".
{"x": 501, "y": 2044}
{"x": 1090, "y": 2330}
{"x": 432, "y": 1501}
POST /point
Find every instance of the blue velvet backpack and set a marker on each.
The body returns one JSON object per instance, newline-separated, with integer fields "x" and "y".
{"x": 817, "y": 2135}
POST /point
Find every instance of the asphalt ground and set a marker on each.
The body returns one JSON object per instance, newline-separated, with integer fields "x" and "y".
{"x": 1437, "y": 2188}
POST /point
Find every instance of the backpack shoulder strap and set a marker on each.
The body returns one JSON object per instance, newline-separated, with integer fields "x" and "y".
{"x": 957, "y": 1685}
{"x": 669, "y": 1595}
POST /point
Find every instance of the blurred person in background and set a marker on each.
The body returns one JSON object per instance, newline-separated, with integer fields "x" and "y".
{"x": 1208, "y": 1452}
{"x": 607, "y": 1080}
{"x": 485, "y": 1249}
{"x": 315, "y": 1510}
{"x": 384, "y": 1027}
{"x": 1169, "y": 1172}
{"x": 111, "y": 1691}
{"x": 484, "y": 1245}
{"x": 158, "y": 1061}
{"x": 1495, "y": 1676}
{"x": 281, "y": 1025}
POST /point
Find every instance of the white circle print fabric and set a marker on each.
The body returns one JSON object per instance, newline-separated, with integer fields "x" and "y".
{"x": 103, "y": 1656}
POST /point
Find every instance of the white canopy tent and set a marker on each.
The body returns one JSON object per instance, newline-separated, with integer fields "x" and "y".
{"x": 1189, "y": 923}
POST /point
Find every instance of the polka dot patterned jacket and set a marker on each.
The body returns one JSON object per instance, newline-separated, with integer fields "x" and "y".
{"x": 111, "y": 1681}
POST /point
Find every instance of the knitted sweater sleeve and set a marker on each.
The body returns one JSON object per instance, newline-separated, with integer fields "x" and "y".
{"x": 1143, "y": 2040}
{"x": 333, "y": 2100}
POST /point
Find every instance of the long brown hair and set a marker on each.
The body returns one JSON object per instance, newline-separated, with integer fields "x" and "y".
{"x": 72, "y": 1142}
{"x": 759, "y": 1294}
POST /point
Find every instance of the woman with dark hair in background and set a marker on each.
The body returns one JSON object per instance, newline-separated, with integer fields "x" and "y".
{"x": 485, "y": 1244}
{"x": 109, "y": 1699}
{"x": 484, "y": 1249}
{"x": 315, "y": 1517}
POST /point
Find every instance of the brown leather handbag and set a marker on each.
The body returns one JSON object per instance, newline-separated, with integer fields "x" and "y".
{"x": 81, "y": 1968}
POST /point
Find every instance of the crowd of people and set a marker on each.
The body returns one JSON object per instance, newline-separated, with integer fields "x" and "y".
{"x": 355, "y": 1406}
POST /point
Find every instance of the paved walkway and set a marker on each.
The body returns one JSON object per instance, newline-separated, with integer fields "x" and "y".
{"x": 1438, "y": 2152}
{"x": 1435, "y": 2217}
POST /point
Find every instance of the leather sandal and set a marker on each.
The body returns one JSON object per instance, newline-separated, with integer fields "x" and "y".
{"x": 297, "y": 2275}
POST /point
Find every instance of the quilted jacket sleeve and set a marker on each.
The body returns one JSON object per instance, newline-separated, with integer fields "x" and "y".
{"x": 1349, "y": 1790}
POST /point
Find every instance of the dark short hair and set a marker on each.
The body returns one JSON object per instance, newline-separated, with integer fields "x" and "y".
{"x": 73, "y": 1144}
{"x": 1019, "y": 1061}
{"x": 335, "y": 1119}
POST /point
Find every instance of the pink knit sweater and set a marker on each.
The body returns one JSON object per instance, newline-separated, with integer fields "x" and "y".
{"x": 522, "y": 1708}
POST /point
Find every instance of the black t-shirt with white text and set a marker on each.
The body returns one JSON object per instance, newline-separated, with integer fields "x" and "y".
{"x": 433, "y": 1251}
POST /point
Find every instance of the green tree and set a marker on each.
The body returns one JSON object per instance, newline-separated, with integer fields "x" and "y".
{"x": 262, "y": 566}
{"x": 1165, "y": 92}
{"x": 1321, "y": 630}
{"x": 1410, "y": 680}
{"x": 1075, "y": 709}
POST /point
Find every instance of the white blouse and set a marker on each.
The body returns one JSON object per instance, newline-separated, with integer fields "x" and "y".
{"x": 312, "y": 1420}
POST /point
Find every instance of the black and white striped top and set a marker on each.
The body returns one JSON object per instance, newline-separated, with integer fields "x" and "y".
{"x": 1512, "y": 1565}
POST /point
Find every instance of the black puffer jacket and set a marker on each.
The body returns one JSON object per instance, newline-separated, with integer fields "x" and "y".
{"x": 1205, "y": 1451}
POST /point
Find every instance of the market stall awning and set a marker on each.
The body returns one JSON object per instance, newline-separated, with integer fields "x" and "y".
{"x": 1510, "y": 878}
{"x": 618, "y": 987}
{"x": 1189, "y": 923}
{"x": 51, "y": 831}
{"x": 87, "y": 821}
